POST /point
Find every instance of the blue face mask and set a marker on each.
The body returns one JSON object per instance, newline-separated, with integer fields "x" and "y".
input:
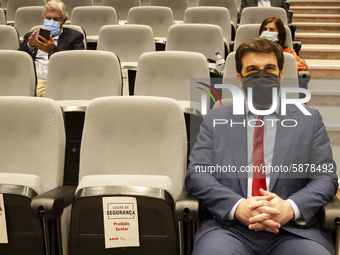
{"x": 53, "y": 26}
{"x": 271, "y": 36}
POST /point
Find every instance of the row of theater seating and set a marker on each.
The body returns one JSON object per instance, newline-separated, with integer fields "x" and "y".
{"x": 131, "y": 146}
{"x": 92, "y": 18}
{"x": 178, "y": 7}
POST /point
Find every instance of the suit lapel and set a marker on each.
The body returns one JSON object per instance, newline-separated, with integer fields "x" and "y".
{"x": 283, "y": 141}
{"x": 238, "y": 143}
{"x": 62, "y": 39}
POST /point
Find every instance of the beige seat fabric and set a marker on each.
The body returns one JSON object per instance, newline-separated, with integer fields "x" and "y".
{"x": 178, "y": 7}
{"x": 229, "y": 4}
{"x": 159, "y": 18}
{"x": 83, "y": 75}
{"x": 27, "y": 17}
{"x": 128, "y": 42}
{"x": 13, "y": 5}
{"x": 151, "y": 131}
{"x": 210, "y": 15}
{"x": 203, "y": 38}
{"x": 9, "y": 39}
{"x": 168, "y": 74}
{"x": 122, "y": 6}
{"x": 17, "y": 74}
{"x": 92, "y": 18}
{"x": 252, "y": 15}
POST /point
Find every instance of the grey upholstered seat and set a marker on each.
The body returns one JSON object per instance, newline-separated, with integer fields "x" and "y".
{"x": 32, "y": 154}
{"x": 17, "y": 74}
{"x": 9, "y": 39}
{"x": 27, "y": 17}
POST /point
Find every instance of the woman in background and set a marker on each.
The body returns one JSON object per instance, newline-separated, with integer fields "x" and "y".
{"x": 272, "y": 28}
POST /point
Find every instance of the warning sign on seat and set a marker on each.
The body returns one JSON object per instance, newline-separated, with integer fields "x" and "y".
{"x": 120, "y": 222}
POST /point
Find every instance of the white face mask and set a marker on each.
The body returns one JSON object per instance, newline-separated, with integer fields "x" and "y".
{"x": 271, "y": 36}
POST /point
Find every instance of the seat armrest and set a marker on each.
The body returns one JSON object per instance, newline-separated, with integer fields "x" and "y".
{"x": 304, "y": 78}
{"x": 53, "y": 202}
{"x": 331, "y": 214}
{"x": 297, "y": 47}
{"x": 292, "y": 27}
{"x": 186, "y": 207}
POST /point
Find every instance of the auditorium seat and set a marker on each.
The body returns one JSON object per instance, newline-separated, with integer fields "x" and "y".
{"x": 74, "y": 78}
{"x": 17, "y": 74}
{"x": 159, "y": 18}
{"x": 92, "y": 19}
{"x": 229, "y": 4}
{"x": 13, "y": 5}
{"x": 178, "y": 7}
{"x": 2, "y": 17}
{"x": 253, "y": 15}
{"x": 71, "y": 4}
{"x": 214, "y": 15}
{"x": 203, "y": 38}
{"x": 128, "y": 42}
{"x": 122, "y": 7}
{"x": 32, "y": 153}
{"x": 27, "y": 17}
{"x": 9, "y": 39}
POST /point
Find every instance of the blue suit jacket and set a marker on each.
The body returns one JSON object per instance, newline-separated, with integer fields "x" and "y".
{"x": 223, "y": 145}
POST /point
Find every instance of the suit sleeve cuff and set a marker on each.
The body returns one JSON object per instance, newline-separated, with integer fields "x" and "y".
{"x": 30, "y": 47}
{"x": 231, "y": 214}
{"x": 295, "y": 209}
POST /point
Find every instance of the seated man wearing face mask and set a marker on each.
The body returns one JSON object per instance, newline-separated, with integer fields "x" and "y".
{"x": 256, "y": 174}
{"x": 55, "y": 16}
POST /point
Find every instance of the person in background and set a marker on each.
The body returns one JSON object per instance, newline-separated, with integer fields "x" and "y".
{"x": 272, "y": 28}
{"x": 55, "y": 15}
{"x": 268, "y": 3}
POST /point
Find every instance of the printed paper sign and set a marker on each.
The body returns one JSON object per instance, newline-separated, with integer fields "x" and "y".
{"x": 125, "y": 76}
{"x": 120, "y": 222}
{"x": 3, "y": 228}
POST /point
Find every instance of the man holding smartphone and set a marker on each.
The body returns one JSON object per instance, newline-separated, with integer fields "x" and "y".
{"x": 53, "y": 37}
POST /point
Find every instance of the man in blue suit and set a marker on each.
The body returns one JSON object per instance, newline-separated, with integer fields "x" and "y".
{"x": 279, "y": 217}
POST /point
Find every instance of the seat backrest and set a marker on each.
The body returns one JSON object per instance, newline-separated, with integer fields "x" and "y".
{"x": 134, "y": 135}
{"x": 122, "y": 6}
{"x": 178, "y": 7}
{"x": 27, "y": 17}
{"x": 9, "y": 39}
{"x": 204, "y": 38}
{"x": 17, "y": 74}
{"x": 168, "y": 73}
{"x": 290, "y": 74}
{"x": 229, "y": 4}
{"x": 71, "y": 4}
{"x": 13, "y": 5}
{"x": 32, "y": 138}
{"x": 2, "y": 17}
{"x": 159, "y": 18}
{"x": 128, "y": 42}
{"x": 253, "y": 15}
{"x": 249, "y": 31}
{"x": 83, "y": 75}
{"x": 215, "y": 15}
{"x": 92, "y": 18}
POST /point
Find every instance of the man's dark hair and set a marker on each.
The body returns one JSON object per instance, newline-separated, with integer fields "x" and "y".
{"x": 280, "y": 28}
{"x": 258, "y": 45}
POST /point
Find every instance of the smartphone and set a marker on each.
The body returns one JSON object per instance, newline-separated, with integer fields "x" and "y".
{"x": 44, "y": 33}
